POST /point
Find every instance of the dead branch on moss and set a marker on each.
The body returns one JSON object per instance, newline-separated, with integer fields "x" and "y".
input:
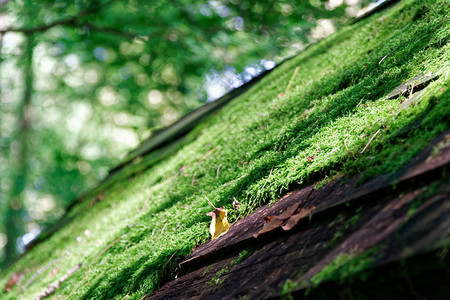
{"x": 52, "y": 288}
{"x": 39, "y": 272}
{"x": 370, "y": 141}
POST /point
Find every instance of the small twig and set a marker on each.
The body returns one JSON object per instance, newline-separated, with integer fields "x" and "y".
{"x": 357, "y": 105}
{"x": 384, "y": 57}
{"x": 193, "y": 178}
{"x": 165, "y": 265}
{"x": 52, "y": 288}
{"x": 312, "y": 127}
{"x": 126, "y": 296}
{"x": 218, "y": 170}
{"x": 368, "y": 143}
{"x": 292, "y": 80}
{"x": 443, "y": 20}
{"x": 207, "y": 154}
{"x": 318, "y": 119}
{"x": 106, "y": 249}
{"x": 145, "y": 203}
{"x": 233, "y": 181}
{"x": 143, "y": 297}
{"x": 164, "y": 227}
{"x": 345, "y": 144}
{"x": 210, "y": 202}
{"x": 430, "y": 13}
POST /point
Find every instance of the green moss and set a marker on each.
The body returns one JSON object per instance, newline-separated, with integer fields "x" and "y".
{"x": 207, "y": 269}
{"x": 344, "y": 266}
{"x": 345, "y": 226}
{"x": 288, "y": 287}
{"x": 413, "y": 208}
{"x": 264, "y": 145}
{"x": 215, "y": 280}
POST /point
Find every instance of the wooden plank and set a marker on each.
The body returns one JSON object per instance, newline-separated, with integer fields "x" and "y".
{"x": 328, "y": 200}
{"x": 414, "y": 85}
{"x": 387, "y": 226}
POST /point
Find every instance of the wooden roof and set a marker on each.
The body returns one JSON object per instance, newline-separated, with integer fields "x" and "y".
{"x": 386, "y": 221}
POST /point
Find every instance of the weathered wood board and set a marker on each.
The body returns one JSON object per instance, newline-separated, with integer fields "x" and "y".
{"x": 393, "y": 217}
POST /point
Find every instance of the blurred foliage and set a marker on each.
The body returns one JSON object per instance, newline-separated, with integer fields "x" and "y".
{"x": 83, "y": 82}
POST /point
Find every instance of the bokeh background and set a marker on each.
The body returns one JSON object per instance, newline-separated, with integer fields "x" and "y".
{"x": 84, "y": 82}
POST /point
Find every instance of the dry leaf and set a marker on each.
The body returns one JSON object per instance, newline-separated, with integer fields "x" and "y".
{"x": 16, "y": 278}
{"x": 288, "y": 212}
{"x": 219, "y": 223}
{"x": 293, "y": 220}
{"x": 236, "y": 204}
{"x": 272, "y": 222}
{"x": 286, "y": 220}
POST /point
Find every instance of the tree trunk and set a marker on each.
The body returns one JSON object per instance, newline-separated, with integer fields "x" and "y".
{"x": 14, "y": 224}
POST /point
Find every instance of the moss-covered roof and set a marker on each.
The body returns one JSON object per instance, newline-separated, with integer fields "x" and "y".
{"x": 338, "y": 233}
{"x": 335, "y": 120}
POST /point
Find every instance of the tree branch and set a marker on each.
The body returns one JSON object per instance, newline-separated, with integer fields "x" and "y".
{"x": 52, "y": 288}
{"x": 70, "y": 21}
{"x": 40, "y": 28}
{"x": 109, "y": 30}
